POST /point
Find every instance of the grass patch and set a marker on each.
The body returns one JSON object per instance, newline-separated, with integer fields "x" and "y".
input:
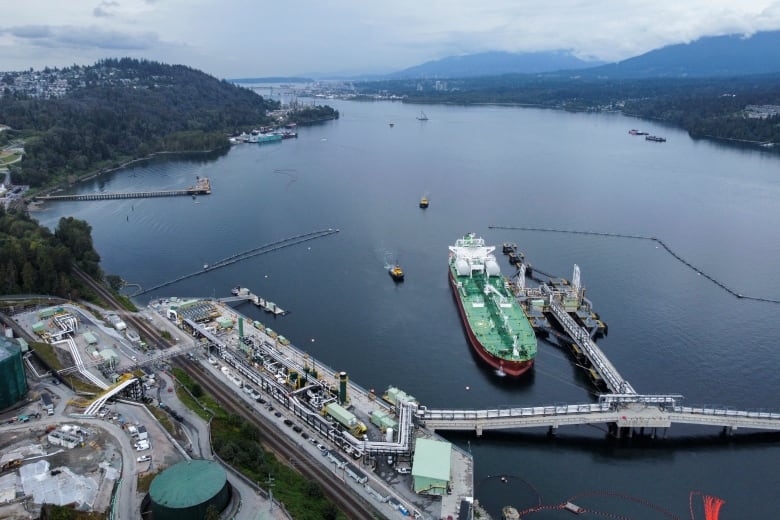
{"x": 52, "y": 512}
{"x": 126, "y": 302}
{"x": 205, "y": 406}
{"x": 145, "y": 480}
{"x": 164, "y": 419}
{"x": 48, "y": 356}
{"x": 8, "y": 158}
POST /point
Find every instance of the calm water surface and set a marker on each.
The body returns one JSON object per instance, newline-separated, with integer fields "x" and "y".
{"x": 670, "y": 329}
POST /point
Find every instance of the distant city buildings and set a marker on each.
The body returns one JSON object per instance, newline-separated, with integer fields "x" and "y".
{"x": 55, "y": 83}
{"x": 762, "y": 111}
{"x": 45, "y": 84}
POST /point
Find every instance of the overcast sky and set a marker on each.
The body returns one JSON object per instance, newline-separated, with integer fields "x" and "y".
{"x": 250, "y": 38}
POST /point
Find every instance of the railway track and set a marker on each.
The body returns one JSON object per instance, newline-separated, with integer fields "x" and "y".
{"x": 352, "y": 505}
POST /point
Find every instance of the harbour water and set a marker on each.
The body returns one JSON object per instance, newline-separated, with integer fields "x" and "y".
{"x": 671, "y": 330}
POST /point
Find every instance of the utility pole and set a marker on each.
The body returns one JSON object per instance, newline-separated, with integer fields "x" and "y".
{"x": 270, "y": 495}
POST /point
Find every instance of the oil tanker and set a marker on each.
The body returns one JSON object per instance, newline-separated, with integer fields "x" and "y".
{"x": 496, "y": 325}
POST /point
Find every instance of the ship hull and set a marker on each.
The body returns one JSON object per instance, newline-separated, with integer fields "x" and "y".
{"x": 510, "y": 368}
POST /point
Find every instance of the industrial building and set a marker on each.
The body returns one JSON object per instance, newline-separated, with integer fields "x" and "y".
{"x": 13, "y": 382}
{"x": 431, "y": 467}
{"x": 186, "y": 490}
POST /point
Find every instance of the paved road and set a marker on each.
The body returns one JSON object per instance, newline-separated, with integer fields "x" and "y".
{"x": 196, "y": 429}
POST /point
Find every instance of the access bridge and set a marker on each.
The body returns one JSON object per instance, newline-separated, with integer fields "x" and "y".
{"x": 621, "y": 412}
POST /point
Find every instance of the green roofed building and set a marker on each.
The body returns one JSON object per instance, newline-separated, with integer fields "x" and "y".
{"x": 187, "y": 489}
{"x": 431, "y": 467}
{"x": 110, "y": 358}
{"x": 39, "y": 327}
{"x": 224, "y": 322}
{"x": 89, "y": 338}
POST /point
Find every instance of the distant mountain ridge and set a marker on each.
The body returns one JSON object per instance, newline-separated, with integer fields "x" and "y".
{"x": 712, "y": 56}
{"x": 494, "y": 63}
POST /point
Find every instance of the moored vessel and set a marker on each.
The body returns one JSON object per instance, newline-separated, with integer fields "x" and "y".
{"x": 496, "y": 325}
{"x": 268, "y": 138}
{"x": 655, "y": 138}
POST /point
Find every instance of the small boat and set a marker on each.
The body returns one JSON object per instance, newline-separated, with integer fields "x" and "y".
{"x": 424, "y": 202}
{"x": 633, "y": 131}
{"x": 396, "y": 273}
{"x": 655, "y": 138}
{"x": 205, "y": 267}
{"x": 391, "y": 125}
{"x": 422, "y": 116}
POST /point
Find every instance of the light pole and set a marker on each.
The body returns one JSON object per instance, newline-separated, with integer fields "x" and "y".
{"x": 270, "y": 495}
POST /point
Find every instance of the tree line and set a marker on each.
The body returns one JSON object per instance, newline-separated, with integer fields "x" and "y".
{"x": 33, "y": 260}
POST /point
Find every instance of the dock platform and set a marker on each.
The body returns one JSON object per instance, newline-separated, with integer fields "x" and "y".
{"x": 201, "y": 187}
{"x": 242, "y": 293}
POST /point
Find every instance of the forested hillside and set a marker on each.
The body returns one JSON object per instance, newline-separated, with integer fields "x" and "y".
{"x": 125, "y": 109}
{"x": 35, "y": 261}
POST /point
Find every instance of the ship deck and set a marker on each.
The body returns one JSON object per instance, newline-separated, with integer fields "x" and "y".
{"x": 483, "y": 315}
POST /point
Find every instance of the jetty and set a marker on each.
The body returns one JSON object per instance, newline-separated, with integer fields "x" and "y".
{"x": 244, "y": 294}
{"x": 201, "y": 187}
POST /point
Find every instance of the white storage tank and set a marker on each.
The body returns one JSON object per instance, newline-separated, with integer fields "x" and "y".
{"x": 462, "y": 266}
{"x": 492, "y": 267}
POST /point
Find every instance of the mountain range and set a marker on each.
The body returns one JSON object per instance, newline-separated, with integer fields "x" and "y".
{"x": 715, "y": 56}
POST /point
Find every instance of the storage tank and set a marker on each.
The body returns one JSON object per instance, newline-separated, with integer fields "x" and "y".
{"x": 13, "y": 383}
{"x": 186, "y": 490}
{"x": 343, "y": 380}
{"x": 492, "y": 267}
{"x": 462, "y": 267}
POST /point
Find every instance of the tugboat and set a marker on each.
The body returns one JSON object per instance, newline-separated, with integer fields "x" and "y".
{"x": 396, "y": 273}
{"x": 424, "y": 202}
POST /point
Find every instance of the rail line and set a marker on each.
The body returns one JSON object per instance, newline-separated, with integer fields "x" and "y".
{"x": 653, "y": 239}
{"x": 243, "y": 255}
{"x": 347, "y": 502}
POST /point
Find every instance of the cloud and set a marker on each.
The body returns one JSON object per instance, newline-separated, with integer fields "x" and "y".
{"x": 81, "y": 37}
{"x": 106, "y": 9}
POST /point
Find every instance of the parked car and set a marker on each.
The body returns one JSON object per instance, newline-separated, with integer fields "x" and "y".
{"x": 144, "y": 458}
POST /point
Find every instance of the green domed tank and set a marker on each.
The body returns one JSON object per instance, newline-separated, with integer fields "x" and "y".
{"x": 186, "y": 490}
{"x": 13, "y": 382}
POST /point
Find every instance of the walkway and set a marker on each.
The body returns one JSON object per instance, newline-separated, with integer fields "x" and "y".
{"x": 627, "y": 411}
